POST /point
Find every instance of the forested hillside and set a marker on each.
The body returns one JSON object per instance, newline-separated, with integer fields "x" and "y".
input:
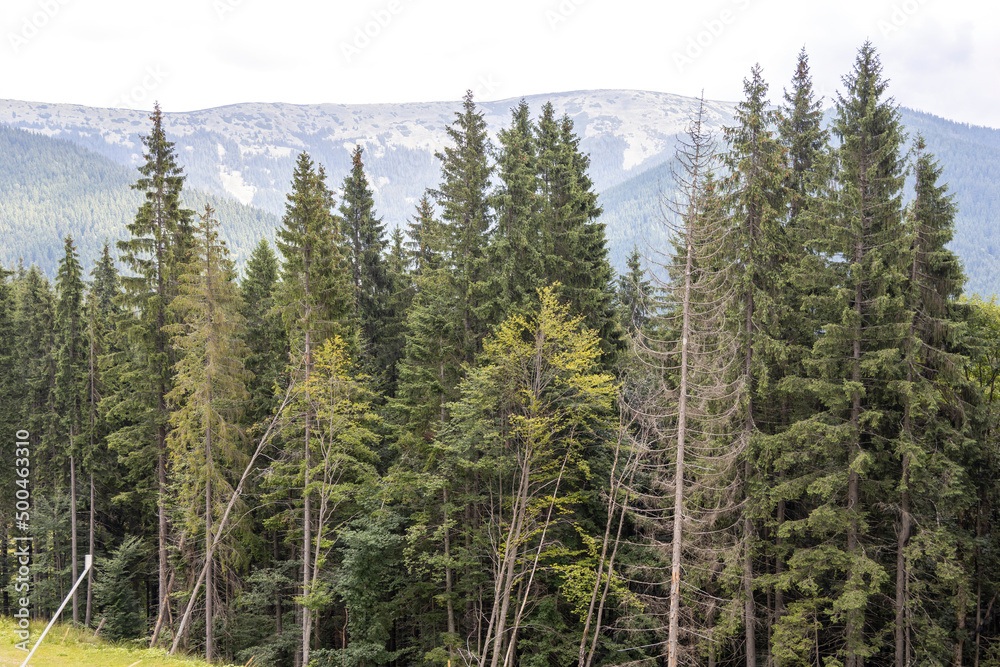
{"x": 53, "y": 188}
{"x": 464, "y": 440}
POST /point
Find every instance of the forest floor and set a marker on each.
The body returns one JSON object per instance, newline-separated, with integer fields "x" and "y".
{"x": 66, "y": 647}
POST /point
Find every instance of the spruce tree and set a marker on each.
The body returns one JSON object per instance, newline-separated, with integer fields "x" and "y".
{"x": 754, "y": 249}
{"x": 364, "y": 235}
{"x": 515, "y": 259}
{"x": 573, "y": 241}
{"x": 161, "y": 238}
{"x": 854, "y": 361}
{"x": 635, "y": 293}
{"x": 426, "y": 245}
{"x": 264, "y": 335}
{"x": 210, "y": 388}
{"x": 70, "y": 386}
{"x": 316, "y": 304}
{"x": 466, "y": 217}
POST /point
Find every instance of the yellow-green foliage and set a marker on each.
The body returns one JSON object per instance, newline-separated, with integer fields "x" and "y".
{"x": 68, "y": 647}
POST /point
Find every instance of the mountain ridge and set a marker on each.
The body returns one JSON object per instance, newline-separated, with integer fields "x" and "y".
{"x": 245, "y": 152}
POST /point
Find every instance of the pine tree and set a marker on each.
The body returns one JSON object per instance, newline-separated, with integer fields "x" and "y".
{"x": 160, "y": 241}
{"x": 70, "y": 386}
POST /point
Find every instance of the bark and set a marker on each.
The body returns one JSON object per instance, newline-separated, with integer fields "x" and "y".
{"x": 73, "y": 528}
{"x": 675, "y": 561}
{"x": 448, "y": 579}
{"x": 854, "y": 624}
{"x": 217, "y": 535}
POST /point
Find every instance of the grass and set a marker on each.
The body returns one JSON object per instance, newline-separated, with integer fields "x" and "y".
{"x": 65, "y": 646}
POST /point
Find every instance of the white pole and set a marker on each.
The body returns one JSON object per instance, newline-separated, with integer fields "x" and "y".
{"x": 88, "y": 560}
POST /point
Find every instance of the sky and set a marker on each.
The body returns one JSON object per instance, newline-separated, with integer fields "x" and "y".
{"x": 940, "y": 57}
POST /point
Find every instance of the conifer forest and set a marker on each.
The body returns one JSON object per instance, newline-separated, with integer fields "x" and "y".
{"x": 469, "y": 442}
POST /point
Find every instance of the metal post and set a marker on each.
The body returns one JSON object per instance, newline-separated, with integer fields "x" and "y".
{"x": 88, "y": 560}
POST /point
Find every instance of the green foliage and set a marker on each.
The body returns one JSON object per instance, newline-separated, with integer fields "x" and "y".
{"x": 114, "y": 591}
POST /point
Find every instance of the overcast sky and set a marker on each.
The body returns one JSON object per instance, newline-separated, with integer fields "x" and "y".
{"x": 941, "y": 57}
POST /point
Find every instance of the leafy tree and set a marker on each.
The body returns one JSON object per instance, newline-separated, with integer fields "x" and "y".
{"x": 526, "y": 415}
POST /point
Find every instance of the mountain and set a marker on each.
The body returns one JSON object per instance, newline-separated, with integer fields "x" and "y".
{"x": 245, "y": 154}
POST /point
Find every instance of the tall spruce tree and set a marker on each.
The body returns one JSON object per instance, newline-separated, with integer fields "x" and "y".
{"x": 466, "y": 217}
{"x": 853, "y": 364}
{"x": 515, "y": 259}
{"x": 70, "y": 386}
{"x": 573, "y": 241}
{"x": 316, "y": 302}
{"x": 161, "y": 238}
{"x": 755, "y": 249}
{"x": 209, "y": 391}
{"x": 364, "y": 235}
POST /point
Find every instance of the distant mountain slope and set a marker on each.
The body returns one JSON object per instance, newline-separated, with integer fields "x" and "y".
{"x": 247, "y": 152}
{"x": 51, "y": 188}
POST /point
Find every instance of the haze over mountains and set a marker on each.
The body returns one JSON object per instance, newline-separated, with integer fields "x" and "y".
{"x": 71, "y": 174}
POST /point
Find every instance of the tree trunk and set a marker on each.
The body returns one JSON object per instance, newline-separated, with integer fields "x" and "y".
{"x": 90, "y": 544}
{"x": 675, "y": 559}
{"x": 209, "y": 583}
{"x": 277, "y": 592}
{"x": 73, "y": 528}
{"x": 448, "y": 579}
{"x": 306, "y": 504}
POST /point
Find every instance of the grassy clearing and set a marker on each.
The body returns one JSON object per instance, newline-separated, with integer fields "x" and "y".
{"x": 68, "y": 647}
